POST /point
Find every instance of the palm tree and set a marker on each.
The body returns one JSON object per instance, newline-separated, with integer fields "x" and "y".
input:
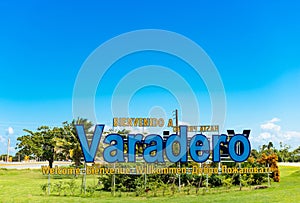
{"x": 69, "y": 142}
{"x": 270, "y": 146}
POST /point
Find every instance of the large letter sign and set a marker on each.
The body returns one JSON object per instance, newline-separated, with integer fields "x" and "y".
{"x": 155, "y": 147}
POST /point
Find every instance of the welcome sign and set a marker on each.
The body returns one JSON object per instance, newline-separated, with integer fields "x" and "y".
{"x": 159, "y": 122}
{"x": 199, "y": 144}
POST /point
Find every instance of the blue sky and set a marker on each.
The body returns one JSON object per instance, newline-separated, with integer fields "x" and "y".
{"x": 253, "y": 44}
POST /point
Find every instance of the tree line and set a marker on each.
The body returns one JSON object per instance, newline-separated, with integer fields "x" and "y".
{"x": 61, "y": 143}
{"x": 53, "y": 143}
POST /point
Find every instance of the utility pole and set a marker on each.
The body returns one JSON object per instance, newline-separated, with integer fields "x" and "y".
{"x": 176, "y": 119}
{"x": 177, "y": 132}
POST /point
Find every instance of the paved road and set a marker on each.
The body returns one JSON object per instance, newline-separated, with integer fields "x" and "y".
{"x": 289, "y": 164}
{"x": 31, "y": 165}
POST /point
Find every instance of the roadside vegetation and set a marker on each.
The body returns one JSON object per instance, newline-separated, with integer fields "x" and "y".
{"x": 26, "y": 186}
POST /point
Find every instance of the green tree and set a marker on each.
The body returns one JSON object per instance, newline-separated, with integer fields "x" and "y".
{"x": 284, "y": 154}
{"x": 40, "y": 144}
{"x": 296, "y": 155}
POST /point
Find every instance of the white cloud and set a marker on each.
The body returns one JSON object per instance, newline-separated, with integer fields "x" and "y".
{"x": 291, "y": 135}
{"x": 265, "y": 135}
{"x": 274, "y": 120}
{"x": 2, "y": 139}
{"x": 271, "y": 132}
{"x": 10, "y": 130}
{"x": 270, "y": 126}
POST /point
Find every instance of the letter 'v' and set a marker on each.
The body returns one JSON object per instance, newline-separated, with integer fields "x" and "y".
{"x": 89, "y": 152}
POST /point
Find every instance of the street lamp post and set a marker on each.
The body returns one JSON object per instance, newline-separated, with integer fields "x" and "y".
{"x": 8, "y": 144}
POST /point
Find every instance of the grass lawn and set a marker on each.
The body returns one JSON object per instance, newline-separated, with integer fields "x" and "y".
{"x": 25, "y": 186}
